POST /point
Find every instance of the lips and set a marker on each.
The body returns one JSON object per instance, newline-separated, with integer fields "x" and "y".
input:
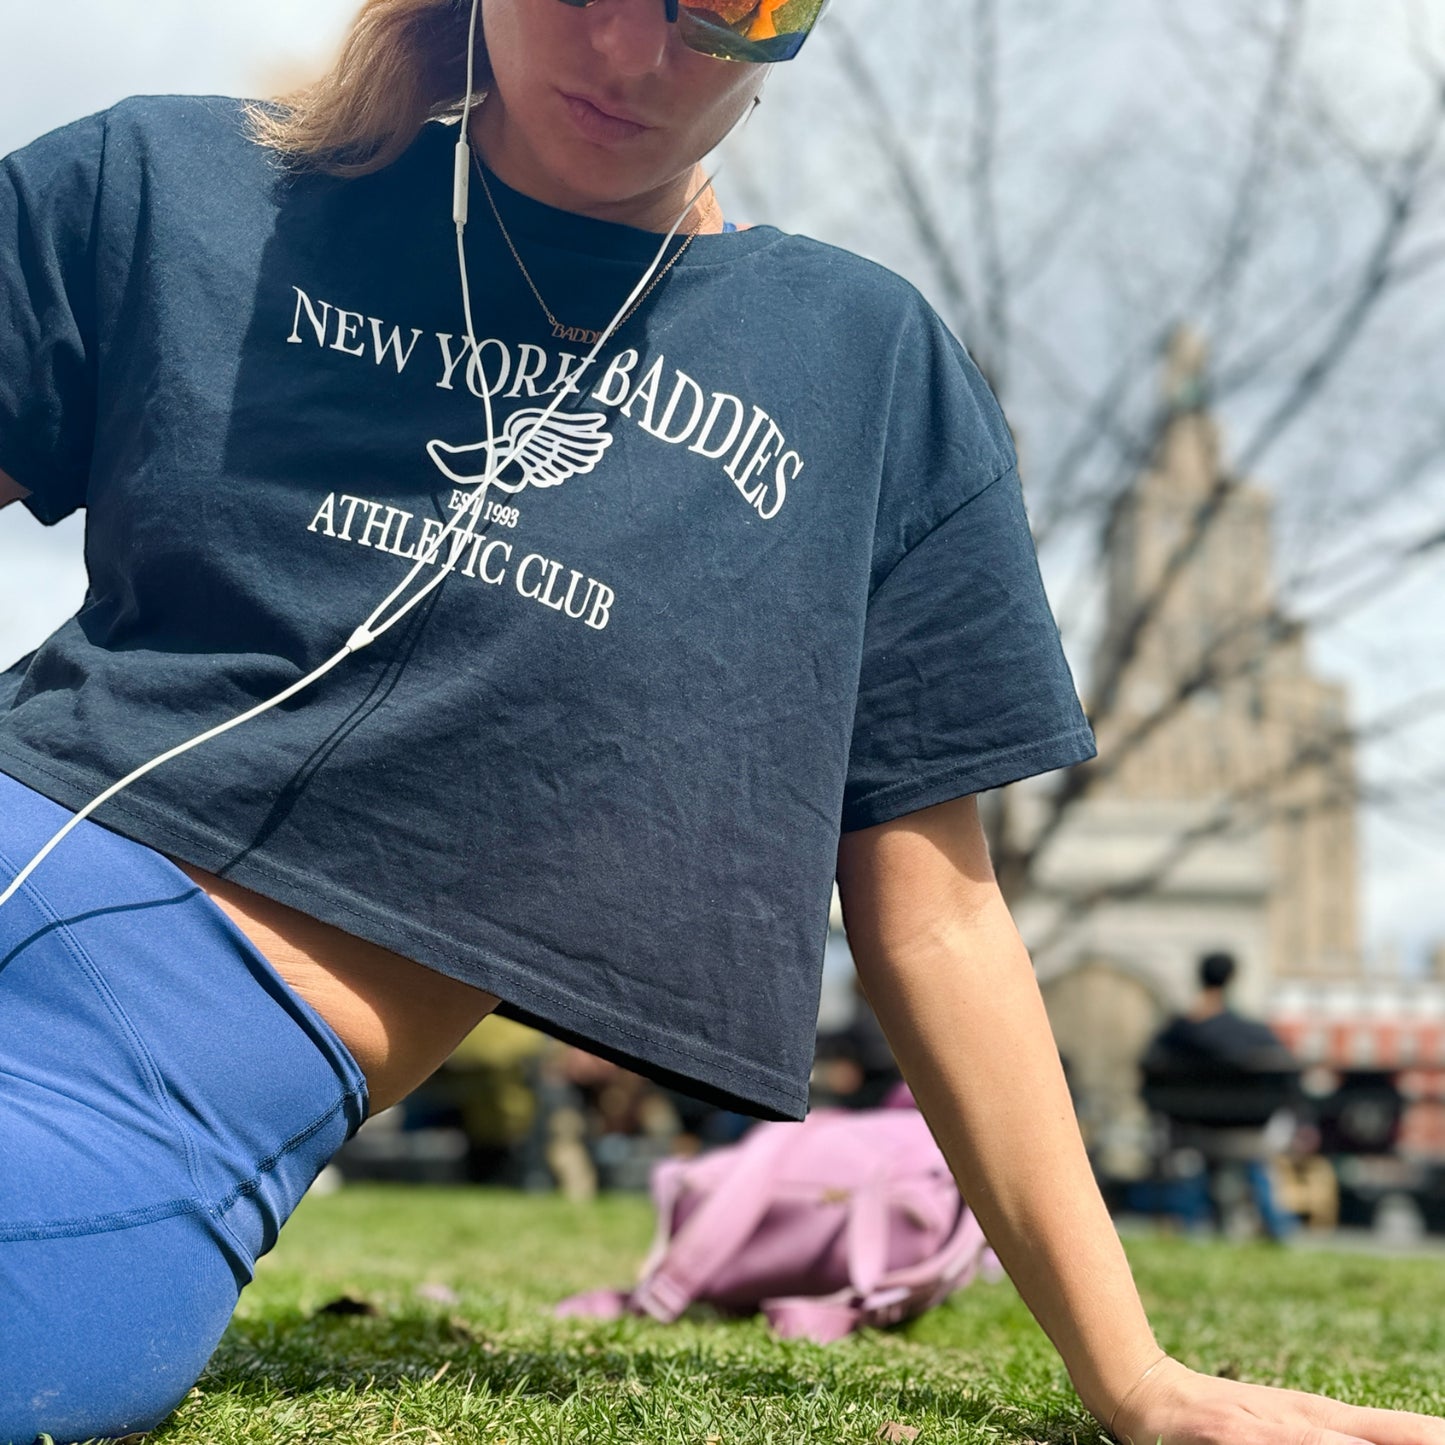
{"x": 605, "y": 124}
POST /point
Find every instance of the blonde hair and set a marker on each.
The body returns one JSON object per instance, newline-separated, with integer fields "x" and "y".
{"x": 404, "y": 62}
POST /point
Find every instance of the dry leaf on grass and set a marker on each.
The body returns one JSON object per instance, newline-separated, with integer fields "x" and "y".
{"x": 894, "y": 1430}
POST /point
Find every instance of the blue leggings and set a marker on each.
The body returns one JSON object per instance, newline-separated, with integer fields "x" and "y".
{"x": 165, "y": 1101}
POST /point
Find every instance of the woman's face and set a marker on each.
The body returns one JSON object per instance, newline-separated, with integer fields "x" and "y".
{"x": 603, "y": 109}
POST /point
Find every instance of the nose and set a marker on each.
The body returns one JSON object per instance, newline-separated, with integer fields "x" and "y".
{"x": 633, "y": 36}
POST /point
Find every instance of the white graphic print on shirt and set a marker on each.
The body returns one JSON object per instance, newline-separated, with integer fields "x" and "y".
{"x": 545, "y": 452}
{"x": 747, "y": 442}
{"x": 717, "y": 427}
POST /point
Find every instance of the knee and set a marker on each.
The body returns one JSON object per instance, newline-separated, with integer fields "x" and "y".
{"x": 105, "y": 1334}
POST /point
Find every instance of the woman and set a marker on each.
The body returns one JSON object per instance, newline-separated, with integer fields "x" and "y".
{"x": 738, "y": 595}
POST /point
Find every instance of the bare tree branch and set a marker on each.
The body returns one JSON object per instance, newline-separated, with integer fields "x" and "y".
{"x": 1304, "y": 389}
{"x": 929, "y": 228}
{"x": 1279, "y": 342}
{"x": 994, "y": 344}
{"x": 1240, "y": 230}
{"x": 1253, "y": 805}
{"x": 1375, "y": 279}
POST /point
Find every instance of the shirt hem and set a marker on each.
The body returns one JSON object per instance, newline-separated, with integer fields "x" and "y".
{"x": 705, "y": 1074}
{"x": 978, "y": 775}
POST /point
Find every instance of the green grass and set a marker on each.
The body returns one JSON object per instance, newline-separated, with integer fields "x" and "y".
{"x": 494, "y": 1366}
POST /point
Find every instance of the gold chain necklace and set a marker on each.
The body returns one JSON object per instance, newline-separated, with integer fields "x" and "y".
{"x": 582, "y": 335}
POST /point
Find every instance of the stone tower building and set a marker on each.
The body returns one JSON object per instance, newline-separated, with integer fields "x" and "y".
{"x": 1222, "y": 810}
{"x": 1244, "y": 721}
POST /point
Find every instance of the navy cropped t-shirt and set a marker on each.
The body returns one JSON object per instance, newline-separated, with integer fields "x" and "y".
{"x": 774, "y": 580}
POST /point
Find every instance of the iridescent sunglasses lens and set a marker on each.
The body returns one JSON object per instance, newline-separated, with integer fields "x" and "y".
{"x": 762, "y": 32}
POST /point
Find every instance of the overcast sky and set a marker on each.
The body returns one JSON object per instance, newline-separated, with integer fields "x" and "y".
{"x": 66, "y": 58}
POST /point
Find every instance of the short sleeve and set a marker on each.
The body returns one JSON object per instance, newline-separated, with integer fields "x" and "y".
{"x": 963, "y": 685}
{"x": 48, "y": 202}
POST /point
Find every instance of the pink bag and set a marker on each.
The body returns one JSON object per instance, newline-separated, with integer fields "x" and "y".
{"x": 849, "y": 1218}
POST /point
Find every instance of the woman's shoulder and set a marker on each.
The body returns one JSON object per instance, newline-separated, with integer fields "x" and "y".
{"x": 182, "y": 122}
{"x": 853, "y": 279}
{"x": 874, "y": 313}
{"x": 142, "y": 124}
{"x": 187, "y": 151}
{"x": 850, "y": 304}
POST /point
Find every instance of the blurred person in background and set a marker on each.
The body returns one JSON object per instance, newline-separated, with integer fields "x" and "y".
{"x": 1223, "y": 1081}
{"x": 489, "y": 1089}
{"x": 740, "y": 596}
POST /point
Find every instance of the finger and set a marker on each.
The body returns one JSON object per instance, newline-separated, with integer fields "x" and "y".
{"x": 1366, "y": 1425}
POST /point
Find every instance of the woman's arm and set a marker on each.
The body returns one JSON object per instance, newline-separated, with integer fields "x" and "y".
{"x": 953, "y": 987}
{"x": 10, "y": 490}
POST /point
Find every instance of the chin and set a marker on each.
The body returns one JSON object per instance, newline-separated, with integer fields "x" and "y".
{"x": 606, "y": 180}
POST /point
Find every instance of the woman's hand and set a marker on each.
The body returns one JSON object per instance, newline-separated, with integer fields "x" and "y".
{"x": 1184, "y": 1407}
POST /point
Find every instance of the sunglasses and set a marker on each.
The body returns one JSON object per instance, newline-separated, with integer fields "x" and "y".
{"x": 761, "y": 32}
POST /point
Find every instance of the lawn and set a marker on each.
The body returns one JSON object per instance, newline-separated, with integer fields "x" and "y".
{"x": 458, "y": 1344}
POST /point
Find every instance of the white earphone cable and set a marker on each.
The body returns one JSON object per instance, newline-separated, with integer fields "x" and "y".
{"x": 18, "y": 881}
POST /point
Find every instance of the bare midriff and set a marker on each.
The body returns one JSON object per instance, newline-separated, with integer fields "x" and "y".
{"x": 399, "y": 1019}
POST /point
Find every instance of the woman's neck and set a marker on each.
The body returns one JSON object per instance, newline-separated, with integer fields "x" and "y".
{"x": 509, "y": 158}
